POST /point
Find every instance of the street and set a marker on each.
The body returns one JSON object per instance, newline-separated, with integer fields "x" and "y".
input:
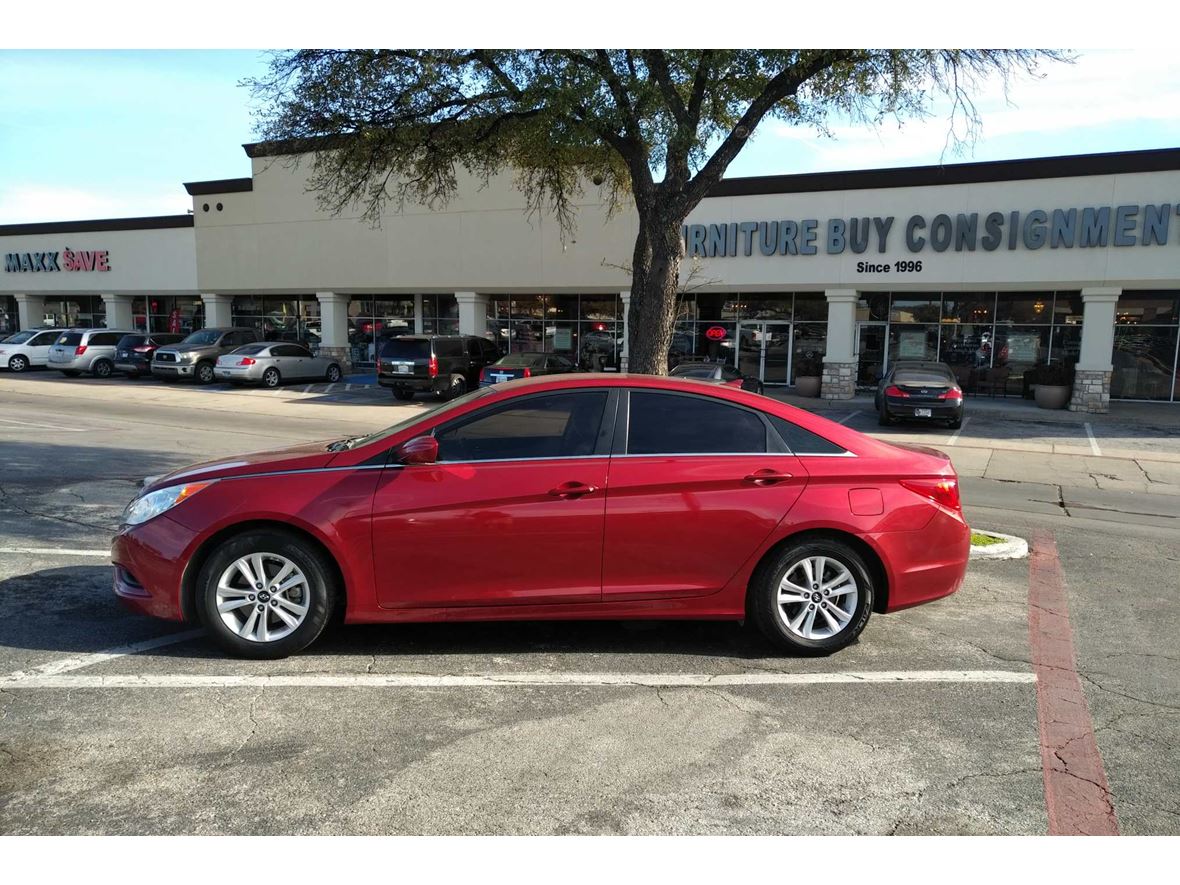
{"x": 113, "y": 723}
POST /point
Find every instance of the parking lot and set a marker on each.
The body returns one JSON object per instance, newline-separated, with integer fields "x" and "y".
{"x": 114, "y": 723}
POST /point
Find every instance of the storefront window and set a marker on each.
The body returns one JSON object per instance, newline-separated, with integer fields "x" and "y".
{"x": 1146, "y": 308}
{"x": 913, "y": 341}
{"x": 1144, "y": 361}
{"x": 810, "y": 342}
{"x": 872, "y": 306}
{"x": 766, "y": 307}
{"x": 915, "y": 307}
{"x": 811, "y": 306}
{"x": 1024, "y": 307}
{"x": 79, "y": 311}
{"x": 969, "y": 308}
{"x": 8, "y": 316}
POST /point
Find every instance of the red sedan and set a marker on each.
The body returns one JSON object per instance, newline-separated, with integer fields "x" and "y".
{"x": 576, "y": 496}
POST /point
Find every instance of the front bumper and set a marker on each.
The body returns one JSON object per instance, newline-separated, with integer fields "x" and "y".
{"x": 149, "y": 562}
{"x": 173, "y": 370}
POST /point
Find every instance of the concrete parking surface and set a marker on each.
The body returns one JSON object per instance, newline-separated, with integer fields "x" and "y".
{"x": 114, "y": 723}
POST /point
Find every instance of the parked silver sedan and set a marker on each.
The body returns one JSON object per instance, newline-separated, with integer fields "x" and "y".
{"x": 270, "y": 364}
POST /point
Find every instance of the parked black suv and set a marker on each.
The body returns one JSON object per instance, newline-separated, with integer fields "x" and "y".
{"x": 445, "y": 365}
{"x": 133, "y": 353}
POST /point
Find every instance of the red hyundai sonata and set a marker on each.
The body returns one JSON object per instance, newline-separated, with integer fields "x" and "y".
{"x": 574, "y": 496}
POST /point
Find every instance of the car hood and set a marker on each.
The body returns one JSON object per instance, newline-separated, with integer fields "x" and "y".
{"x": 308, "y": 456}
{"x": 188, "y": 348}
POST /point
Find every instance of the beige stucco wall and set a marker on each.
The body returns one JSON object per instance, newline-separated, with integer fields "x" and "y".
{"x": 276, "y": 238}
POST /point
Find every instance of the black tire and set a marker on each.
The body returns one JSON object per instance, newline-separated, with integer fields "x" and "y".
{"x": 204, "y": 373}
{"x": 102, "y": 368}
{"x": 334, "y": 374}
{"x": 403, "y": 393}
{"x": 323, "y": 592}
{"x": 458, "y": 387}
{"x": 956, "y": 424}
{"x": 71, "y": 373}
{"x": 883, "y": 419}
{"x": 271, "y": 377}
{"x": 18, "y": 363}
{"x": 769, "y": 616}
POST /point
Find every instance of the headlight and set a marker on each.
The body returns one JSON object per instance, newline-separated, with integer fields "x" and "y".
{"x": 153, "y": 504}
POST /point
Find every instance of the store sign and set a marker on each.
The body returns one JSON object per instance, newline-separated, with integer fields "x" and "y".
{"x": 1074, "y": 228}
{"x": 715, "y": 333}
{"x": 52, "y": 262}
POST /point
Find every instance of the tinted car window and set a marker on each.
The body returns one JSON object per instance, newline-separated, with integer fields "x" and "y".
{"x": 448, "y": 347}
{"x": 70, "y": 338}
{"x": 162, "y": 339}
{"x": 105, "y": 339}
{"x": 925, "y": 376}
{"x": 203, "y": 337}
{"x": 803, "y": 442}
{"x": 129, "y": 341}
{"x": 516, "y": 360}
{"x": 560, "y": 425}
{"x": 559, "y": 362}
{"x": 668, "y": 424}
{"x": 406, "y": 349}
{"x": 473, "y": 347}
{"x": 490, "y": 351}
{"x": 287, "y": 350}
{"x": 250, "y": 349}
{"x": 694, "y": 372}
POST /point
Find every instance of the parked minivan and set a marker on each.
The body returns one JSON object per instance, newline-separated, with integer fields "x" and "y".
{"x": 86, "y": 350}
{"x": 445, "y": 365}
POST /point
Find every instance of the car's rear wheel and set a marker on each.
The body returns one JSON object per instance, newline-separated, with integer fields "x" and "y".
{"x": 403, "y": 393}
{"x": 458, "y": 387}
{"x": 883, "y": 419}
{"x": 334, "y": 373}
{"x": 814, "y": 598}
{"x": 18, "y": 363}
{"x": 956, "y": 423}
{"x": 266, "y": 594}
{"x": 205, "y": 373}
{"x": 271, "y": 377}
{"x": 102, "y": 369}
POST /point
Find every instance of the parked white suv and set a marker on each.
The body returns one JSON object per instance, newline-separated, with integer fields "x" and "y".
{"x": 29, "y": 348}
{"x": 86, "y": 350}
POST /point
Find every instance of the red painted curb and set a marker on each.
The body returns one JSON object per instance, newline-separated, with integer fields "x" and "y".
{"x": 1077, "y": 795}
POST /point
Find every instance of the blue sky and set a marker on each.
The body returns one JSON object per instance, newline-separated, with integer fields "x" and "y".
{"x": 89, "y": 134}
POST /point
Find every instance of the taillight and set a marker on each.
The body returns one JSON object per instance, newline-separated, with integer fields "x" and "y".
{"x": 953, "y": 393}
{"x": 143, "y": 348}
{"x": 247, "y": 361}
{"x": 483, "y": 374}
{"x": 528, "y": 373}
{"x": 940, "y": 491}
{"x": 434, "y": 367}
{"x": 894, "y": 390}
{"x": 79, "y": 350}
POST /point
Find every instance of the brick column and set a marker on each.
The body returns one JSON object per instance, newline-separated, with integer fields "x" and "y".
{"x": 839, "y": 373}
{"x": 1091, "y": 381}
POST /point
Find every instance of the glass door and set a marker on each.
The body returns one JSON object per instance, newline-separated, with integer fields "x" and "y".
{"x": 872, "y": 346}
{"x": 764, "y": 351}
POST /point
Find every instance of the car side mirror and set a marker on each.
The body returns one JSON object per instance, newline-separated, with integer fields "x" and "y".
{"x": 419, "y": 450}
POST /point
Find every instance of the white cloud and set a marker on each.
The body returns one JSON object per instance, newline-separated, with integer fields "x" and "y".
{"x": 26, "y": 204}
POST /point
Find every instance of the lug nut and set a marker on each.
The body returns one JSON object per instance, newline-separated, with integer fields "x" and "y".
{"x": 251, "y": 597}
{"x": 274, "y": 602}
{"x": 811, "y": 606}
{"x": 262, "y": 608}
{"x": 257, "y": 586}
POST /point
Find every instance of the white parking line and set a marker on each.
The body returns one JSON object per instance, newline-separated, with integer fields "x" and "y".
{"x": 330, "y": 386}
{"x": 307, "y": 389}
{"x": 1093, "y": 442}
{"x": 65, "y": 665}
{"x": 955, "y": 435}
{"x": 54, "y": 551}
{"x": 54, "y": 427}
{"x": 847, "y": 418}
{"x": 509, "y": 680}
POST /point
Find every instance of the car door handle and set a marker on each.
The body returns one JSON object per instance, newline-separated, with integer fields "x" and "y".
{"x": 572, "y": 490}
{"x": 767, "y": 477}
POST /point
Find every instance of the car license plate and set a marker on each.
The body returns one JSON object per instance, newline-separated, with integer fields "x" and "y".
{"x": 499, "y": 377}
{"x": 921, "y": 413}
{"x": 404, "y": 369}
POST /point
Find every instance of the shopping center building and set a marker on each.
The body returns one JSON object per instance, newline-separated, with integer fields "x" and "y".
{"x": 995, "y": 268}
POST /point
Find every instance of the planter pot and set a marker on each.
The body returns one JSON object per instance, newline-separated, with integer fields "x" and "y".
{"x": 1051, "y": 396}
{"x": 807, "y": 385}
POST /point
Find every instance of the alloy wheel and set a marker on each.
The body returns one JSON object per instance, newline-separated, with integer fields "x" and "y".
{"x": 333, "y": 374}
{"x": 817, "y": 597}
{"x": 263, "y": 597}
{"x": 270, "y": 378}
{"x": 18, "y": 364}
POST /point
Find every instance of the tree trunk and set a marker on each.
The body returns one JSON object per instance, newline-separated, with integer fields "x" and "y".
{"x": 655, "y": 283}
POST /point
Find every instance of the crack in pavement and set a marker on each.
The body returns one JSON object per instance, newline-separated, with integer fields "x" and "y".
{"x": 8, "y": 499}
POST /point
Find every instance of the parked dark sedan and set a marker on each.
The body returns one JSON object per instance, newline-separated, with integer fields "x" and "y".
{"x": 919, "y": 392}
{"x": 526, "y": 364}
{"x": 717, "y": 373}
{"x": 133, "y": 353}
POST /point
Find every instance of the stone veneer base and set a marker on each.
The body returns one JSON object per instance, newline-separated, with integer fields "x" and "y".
{"x": 838, "y": 380}
{"x": 1091, "y": 391}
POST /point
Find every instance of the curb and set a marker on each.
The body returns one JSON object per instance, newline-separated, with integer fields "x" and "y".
{"x": 1011, "y": 548}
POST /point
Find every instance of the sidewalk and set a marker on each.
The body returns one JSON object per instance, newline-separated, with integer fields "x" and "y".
{"x": 1164, "y": 416}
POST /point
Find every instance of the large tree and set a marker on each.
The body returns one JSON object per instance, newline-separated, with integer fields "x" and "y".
{"x": 659, "y": 127}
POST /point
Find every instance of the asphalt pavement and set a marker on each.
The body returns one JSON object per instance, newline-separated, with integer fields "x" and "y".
{"x": 116, "y": 723}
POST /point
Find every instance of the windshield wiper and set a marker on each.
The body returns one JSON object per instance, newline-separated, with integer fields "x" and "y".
{"x": 342, "y": 445}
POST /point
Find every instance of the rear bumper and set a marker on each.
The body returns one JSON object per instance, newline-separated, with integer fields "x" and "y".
{"x": 134, "y": 367}
{"x": 240, "y": 376}
{"x": 925, "y": 565}
{"x": 149, "y": 562}
{"x": 409, "y": 382}
{"x": 939, "y": 411}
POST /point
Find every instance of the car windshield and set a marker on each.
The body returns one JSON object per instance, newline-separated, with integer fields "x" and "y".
{"x": 693, "y": 371}
{"x": 411, "y": 421}
{"x": 514, "y": 360}
{"x": 928, "y": 376}
{"x": 205, "y": 336}
{"x": 18, "y": 338}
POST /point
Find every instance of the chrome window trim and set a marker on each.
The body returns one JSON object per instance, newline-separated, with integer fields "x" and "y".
{"x": 511, "y": 460}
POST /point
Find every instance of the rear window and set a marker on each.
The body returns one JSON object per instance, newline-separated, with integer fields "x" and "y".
{"x": 516, "y": 360}
{"x": 448, "y": 347}
{"x": 128, "y": 341}
{"x": 251, "y": 348}
{"x": 70, "y": 338}
{"x": 693, "y": 372}
{"x": 166, "y": 339}
{"x": 406, "y": 349}
{"x": 923, "y": 376}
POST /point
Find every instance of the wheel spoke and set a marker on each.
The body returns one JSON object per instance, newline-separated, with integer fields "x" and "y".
{"x": 786, "y": 597}
{"x": 287, "y": 619}
{"x": 788, "y": 584}
{"x": 283, "y": 572}
{"x": 292, "y": 582}
{"x": 839, "y": 579}
{"x": 225, "y": 589}
{"x": 809, "y": 624}
{"x": 806, "y": 564}
{"x": 244, "y": 568}
{"x": 233, "y": 604}
{"x": 842, "y": 616}
{"x": 293, "y": 607}
{"x": 821, "y": 562}
{"x": 263, "y": 634}
{"x": 259, "y": 569}
{"x": 248, "y": 627}
{"x": 835, "y": 625}
{"x": 841, "y": 591}
{"x": 797, "y": 624}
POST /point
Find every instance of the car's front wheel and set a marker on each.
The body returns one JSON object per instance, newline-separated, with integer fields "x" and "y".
{"x": 814, "y": 598}
{"x": 205, "y": 374}
{"x": 18, "y": 363}
{"x": 266, "y": 594}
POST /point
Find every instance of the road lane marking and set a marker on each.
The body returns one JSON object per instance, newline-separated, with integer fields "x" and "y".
{"x": 1078, "y": 800}
{"x": 52, "y": 427}
{"x": 54, "y": 551}
{"x": 955, "y": 436}
{"x": 1093, "y": 442}
{"x": 847, "y": 418}
{"x": 509, "y": 680}
{"x": 65, "y": 665}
